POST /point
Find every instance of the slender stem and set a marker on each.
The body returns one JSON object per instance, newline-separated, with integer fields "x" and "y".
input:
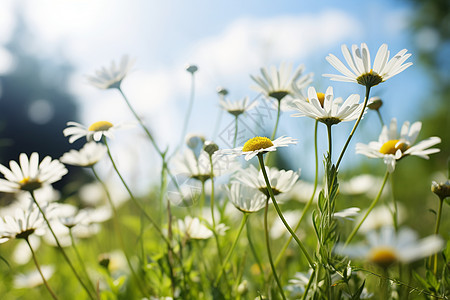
{"x": 235, "y": 130}
{"x": 227, "y": 258}
{"x": 136, "y": 202}
{"x": 40, "y": 271}
{"x": 60, "y": 247}
{"x": 395, "y": 212}
{"x": 354, "y": 127}
{"x": 218, "y": 121}
{"x": 80, "y": 260}
{"x": 330, "y": 184}
{"x": 212, "y": 193}
{"x": 330, "y": 143}
{"x": 118, "y": 230}
{"x": 188, "y": 112}
{"x": 252, "y": 248}
{"x": 280, "y": 214}
{"x": 310, "y": 201}
{"x": 202, "y": 198}
{"x": 310, "y": 281}
{"x": 436, "y": 231}
{"x": 269, "y": 253}
{"x": 277, "y": 121}
{"x": 384, "y": 284}
{"x": 380, "y": 117}
{"x": 372, "y": 205}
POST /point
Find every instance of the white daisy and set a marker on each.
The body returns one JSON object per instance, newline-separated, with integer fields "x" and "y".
{"x": 361, "y": 70}
{"x": 392, "y": 147}
{"x": 257, "y": 145}
{"x": 386, "y": 247}
{"x": 33, "y": 278}
{"x": 24, "y": 223}
{"x": 94, "y": 132}
{"x": 89, "y": 155}
{"x": 245, "y": 198}
{"x": 30, "y": 175}
{"x": 237, "y": 108}
{"x": 326, "y": 109}
{"x": 347, "y": 213}
{"x": 111, "y": 78}
{"x": 281, "y": 181}
{"x": 280, "y": 83}
{"x": 194, "y": 229}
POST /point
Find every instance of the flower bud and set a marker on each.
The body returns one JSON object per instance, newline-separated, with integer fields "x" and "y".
{"x": 222, "y": 91}
{"x": 191, "y": 69}
{"x": 210, "y": 147}
{"x": 104, "y": 261}
{"x": 441, "y": 189}
{"x": 375, "y": 103}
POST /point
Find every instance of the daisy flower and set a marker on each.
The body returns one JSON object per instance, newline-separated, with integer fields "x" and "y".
{"x": 392, "y": 147}
{"x": 326, "y": 109}
{"x": 194, "y": 229}
{"x": 281, "y": 181}
{"x": 257, "y": 145}
{"x": 386, "y": 247}
{"x": 30, "y": 175}
{"x": 108, "y": 78}
{"x": 22, "y": 225}
{"x": 237, "y": 108}
{"x": 245, "y": 198}
{"x": 361, "y": 70}
{"x": 33, "y": 278}
{"x": 94, "y": 132}
{"x": 278, "y": 83}
{"x": 89, "y": 155}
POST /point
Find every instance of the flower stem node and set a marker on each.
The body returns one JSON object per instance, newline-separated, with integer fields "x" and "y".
{"x": 257, "y": 143}
{"x": 442, "y": 190}
{"x": 375, "y": 103}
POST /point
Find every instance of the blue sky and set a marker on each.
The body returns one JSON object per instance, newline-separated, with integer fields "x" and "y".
{"x": 228, "y": 41}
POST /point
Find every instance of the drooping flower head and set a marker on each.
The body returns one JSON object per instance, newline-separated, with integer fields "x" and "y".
{"x": 89, "y": 155}
{"x": 361, "y": 71}
{"x": 327, "y": 109}
{"x": 257, "y": 145}
{"x": 108, "y": 78}
{"x": 278, "y": 83}
{"x": 391, "y": 146}
{"x": 30, "y": 175}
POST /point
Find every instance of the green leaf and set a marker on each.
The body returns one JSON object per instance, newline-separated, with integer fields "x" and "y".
{"x": 358, "y": 293}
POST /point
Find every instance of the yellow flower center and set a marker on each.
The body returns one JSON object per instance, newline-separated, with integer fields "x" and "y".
{"x": 390, "y": 147}
{"x": 100, "y": 126}
{"x": 27, "y": 184}
{"x": 257, "y": 143}
{"x": 320, "y": 97}
{"x": 383, "y": 256}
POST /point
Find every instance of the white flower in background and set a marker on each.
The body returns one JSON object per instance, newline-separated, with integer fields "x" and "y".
{"x": 89, "y": 155}
{"x": 194, "y": 229}
{"x": 33, "y": 278}
{"x": 257, "y": 145}
{"x": 386, "y": 247}
{"x": 94, "y": 132}
{"x": 30, "y": 175}
{"x": 348, "y": 213}
{"x": 381, "y": 216}
{"x": 297, "y": 285}
{"x": 22, "y": 254}
{"x": 360, "y": 184}
{"x": 23, "y": 201}
{"x": 94, "y": 194}
{"x": 392, "y": 147}
{"x": 245, "y": 198}
{"x": 278, "y": 229}
{"x": 239, "y": 107}
{"x": 324, "y": 108}
{"x": 302, "y": 191}
{"x": 22, "y": 225}
{"x": 278, "y": 83}
{"x": 108, "y": 78}
{"x": 281, "y": 181}
{"x": 361, "y": 70}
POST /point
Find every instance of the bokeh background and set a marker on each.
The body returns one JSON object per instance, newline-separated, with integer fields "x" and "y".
{"x": 48, "y": 47}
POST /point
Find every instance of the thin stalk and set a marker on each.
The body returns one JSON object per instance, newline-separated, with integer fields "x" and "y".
{"x": 366, "y": 99}
{"x": 280, "y": 214}
{"x": 252, "y": 248}
{"x": 227, "y": 258}
{"x": 218, "y": 121}
{"x": 61, "y": 248}
{"x": 380, "y": 117}
{"x": 272, "y": 137}
{"x": 202, "y": 198}
{"x": 188, "y": 112}
{"x": 308, "y": 286}
{"x": 40, "y": 271}
{"x": 395, "y": 212}
{"x": 269, "y": 253}
{"x": 436, "y": 231}
{"x": 372, "y": 205}
{"x": 80, "y": 260}
{"x": 330, "y": 151}
{"x": 212, "y": 192}
{"x": 118, "y": 230}
{"x": 310, "y": 201}
{"x": 235, "y": 130}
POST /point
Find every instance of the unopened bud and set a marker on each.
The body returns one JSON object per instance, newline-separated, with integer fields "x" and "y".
{"x": 210, "y": 147}
{"x": 441, "y": 189}
{"x": 191, "y": 69}
{"x": 104, "y": 261}
{"x": 375, "y": 103}
{"x": 222, "y": 91}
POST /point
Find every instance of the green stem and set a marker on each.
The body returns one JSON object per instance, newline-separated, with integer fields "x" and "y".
{"x": 436, "y": 231}
{"x": 277, "y": 121}
{"x": 40, "y": 271}
{"x": 252, "y": 248}
{"x": 380, "y": 117}
{"x": 269, "y": 253}
{"x": 330, "y": 184}
{"x": 308, "y": 286}
{"x": 372, "y": 205}
{"x": 188, "y": 112}
{"x": 310, "y": 201}
{"x": 235, "y": 130}
{"x": 280, "y": 214}
{"x": 395, "y": 212}
{"x": 212, "y": 193}
{"x": 354, "y": 127}
{"x": 227, "y": 258}
{"x": 80, "y": 260}
{"x": 202, "y": 199}
{"x": 60, "y": 247}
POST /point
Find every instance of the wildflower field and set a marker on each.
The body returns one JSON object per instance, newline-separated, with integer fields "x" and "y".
{"x": 232, "y": 220}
